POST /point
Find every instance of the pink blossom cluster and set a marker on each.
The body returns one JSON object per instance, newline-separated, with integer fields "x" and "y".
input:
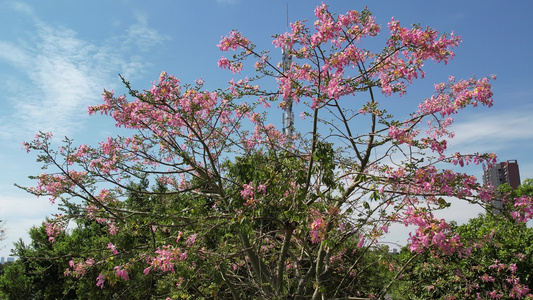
{"x": 423, "y": 44}
{"x": 53, "y": 229}
{"x": 166, "y": 257}
{"x": 191, "y": 240}
{"x": 37, "y": 143}
{"x": 430, "y": 181}
{"x": 523, "y": 209}
{"x": 233, "y": 41}
{"x": 79, "y": 268}
{"x": 55, "y": 185}
{"x": 248, "y": 192}
{"x": 346, "y": 29}
{"x": 106, "y": 196}
{"x": 488, "y": 159}
{"x": 352, "y": 24}
{"x": 317, "y": 231}
{"x": 431, "y": 232}
{"x": 408, "y": 49}
{"x": 505, "y": 281}
{"x": 121, "y": 272}
{"x": 177, "y": 109}
{"x": 451, "y": 97}
{"x": 234, "y": 67}
{"x": 113, "y": 248}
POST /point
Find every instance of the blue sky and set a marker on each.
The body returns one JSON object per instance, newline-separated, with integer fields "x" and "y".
{"x": 56, "y": 57}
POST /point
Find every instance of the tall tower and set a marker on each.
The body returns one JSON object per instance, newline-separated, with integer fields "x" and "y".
{"x": 287, "y": 115}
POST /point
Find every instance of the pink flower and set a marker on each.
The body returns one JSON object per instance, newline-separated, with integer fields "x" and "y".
{"x": 233, "y": 41}
{"x": 121, "y": 272}
{"x": 318, "y": 227}
{"x": 487, "y": 278}
{"x": 112, "y": 248}
{"x": 52, "y": 230}
{"x": 112, "y": 228}
{"x": 223, "y": 62}
{"x": 190, "y": 240}
{"x": 100, "y": 280}
{"x": 361, "y": 242}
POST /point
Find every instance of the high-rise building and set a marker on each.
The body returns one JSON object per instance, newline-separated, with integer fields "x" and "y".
{"x": 504, "y": 172}
{"x": 500, "y": 173}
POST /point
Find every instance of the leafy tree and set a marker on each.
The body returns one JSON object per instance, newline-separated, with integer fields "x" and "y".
{"x": 497, "y": 267}
{"x": 14, "y": 284}
{"x": 242, "y": 210}
{"x": 40, "y": 272}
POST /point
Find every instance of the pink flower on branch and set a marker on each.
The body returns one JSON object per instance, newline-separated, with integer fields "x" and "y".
{"x": 113, "y": 248}
{"x": 432, "y": 233}
{"x": 523, "y": 209}
{"x": 423, "y": 43}
{"x": 233, "y": 66}
{"x": 250, "y": 193}
{"x": 233, "y": 41}
{"x": 55, "y": 185}
{"x": 317, "y": 230}
{"x": 79, "y": 268}
{"x": 191, "y": 240}
{"x": 100, "y": 280}
{"x": 53, "y": 229}
{"x": 166, "y": 257}
{"x": 121, "y": 272}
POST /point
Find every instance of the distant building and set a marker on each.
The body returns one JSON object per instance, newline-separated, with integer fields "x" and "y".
{"x": 504, "y": 172}
{"x": 4, "y": 260}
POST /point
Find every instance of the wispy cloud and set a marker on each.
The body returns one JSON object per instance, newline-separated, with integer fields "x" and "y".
{"x": 20, "y": 7}
{"x": 493, "y": 131}
{"x": 141, "y": 36}
{"x": 58, "y": 74}
{"x": 18, "y": 213}
{"x": 51, "y": 73}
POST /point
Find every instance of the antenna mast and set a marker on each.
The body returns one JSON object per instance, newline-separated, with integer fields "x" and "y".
{"x": 288, "y": 115}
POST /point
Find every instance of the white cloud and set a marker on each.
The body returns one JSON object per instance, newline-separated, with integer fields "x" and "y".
{"x": 13, "y": 54}
{"x": 59, "y": 77}
{"x": 492, "y": 132}
{"x": 142, "y": 36}
{"x": 19, "y": 212}
{"x": 51, "y": 74}
{"x": 20, "y": 7}
{"x": 58, "y": 74}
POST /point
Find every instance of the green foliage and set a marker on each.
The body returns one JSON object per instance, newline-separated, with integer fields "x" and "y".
{"x": 39, "y": 273}
{"x": 498, "y": 246}
{"x": 15, "y": 283}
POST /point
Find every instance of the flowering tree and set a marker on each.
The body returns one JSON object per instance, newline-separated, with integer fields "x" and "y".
{"x": 242, "y": 210}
